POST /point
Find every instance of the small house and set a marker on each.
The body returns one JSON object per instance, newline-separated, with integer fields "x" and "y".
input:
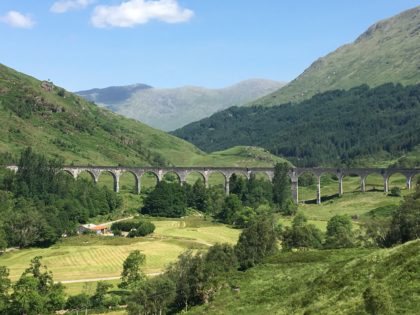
{"x": 92, "y": 228}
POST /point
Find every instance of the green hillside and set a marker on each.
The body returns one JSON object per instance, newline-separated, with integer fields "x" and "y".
{"x": 324, "y": 282}
{"x": 389, "y": 51}
{"x": 60, "y": 124}
{"x": 361, "y": 126}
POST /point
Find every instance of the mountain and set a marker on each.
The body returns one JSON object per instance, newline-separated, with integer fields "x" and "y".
{"x": 112, "y": 94}
{"x": 63, "y": 125}
{"x": 361, "y": 126}
{"x": 389, "y": 51}
{"x": 168, "y": 109}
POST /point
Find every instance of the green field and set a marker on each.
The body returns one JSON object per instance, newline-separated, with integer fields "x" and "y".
{"x": 91, "y": 257}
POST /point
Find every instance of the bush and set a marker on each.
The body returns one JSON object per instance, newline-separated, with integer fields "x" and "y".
{"x": 289, "y": 208}
{"x": 220, "y": 258}
{"x": 405, "y": 223}
{"x": 111, "y": 300}
{"x": 377, "y": 300}
{"x": 134, "y": 227}
{"x": 395, "y": 191}
{"x": 301, "y": 234}
{"x": 339, "y": 232}
{"x": 78, "y": 302}
{"x": 117, "y": 233}
{"x": 256, "y": 242}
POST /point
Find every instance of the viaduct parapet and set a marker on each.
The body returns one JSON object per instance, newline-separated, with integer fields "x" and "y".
{"x": 227, "y": 172}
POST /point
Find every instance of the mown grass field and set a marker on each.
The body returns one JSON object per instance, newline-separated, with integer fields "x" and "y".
{"x": 91, "y": 257}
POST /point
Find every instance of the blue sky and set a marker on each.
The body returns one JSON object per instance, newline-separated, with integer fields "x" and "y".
{"x": 81, "y": 44}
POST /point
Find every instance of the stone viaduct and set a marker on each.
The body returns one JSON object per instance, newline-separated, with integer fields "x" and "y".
{"x": 227, "y": 172}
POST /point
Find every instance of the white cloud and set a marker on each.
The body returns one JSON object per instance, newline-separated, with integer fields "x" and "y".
{"x": 17, "y": 19}
{"x": 63, "y": 6}
{"x": 133, "y": 12}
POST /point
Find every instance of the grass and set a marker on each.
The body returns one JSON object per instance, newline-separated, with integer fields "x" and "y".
{"x": 80, "y": 133}
{"x": 91, "y": 257}
{"x": 86, "y": 287}
{"x": 386, "y": 53}
{"x": 352, "y": 202}
{"x": 322, "y": 282}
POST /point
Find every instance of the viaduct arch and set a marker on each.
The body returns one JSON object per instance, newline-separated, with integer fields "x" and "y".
{"x": 227, "y": 172}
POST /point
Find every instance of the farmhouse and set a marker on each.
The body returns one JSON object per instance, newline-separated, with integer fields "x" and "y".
{"x": 92, "y": 228}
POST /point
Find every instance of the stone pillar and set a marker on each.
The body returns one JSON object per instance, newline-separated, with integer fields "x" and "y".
{"x": 182, "y": 175}
{"x": 227, "y": 178}
{"x": 363, "y": 184}
{"x": 117, "y": 183}
{"x": 206, "y": 179}
{"x": 138, "y": 185}
{"x": 386, "y": 184}
{"x": 408, "y": 182}
{"x": 340, "y": 185}
{"x": 318, "y": 191}
{"x": 295, "y": 190}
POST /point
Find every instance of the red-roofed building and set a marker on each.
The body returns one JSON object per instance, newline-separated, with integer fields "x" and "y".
{"x": 92, "y": 228}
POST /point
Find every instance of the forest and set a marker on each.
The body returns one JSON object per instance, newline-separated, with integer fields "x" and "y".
{"x": 39, "y": 204}
{"x": 334, "y": 128}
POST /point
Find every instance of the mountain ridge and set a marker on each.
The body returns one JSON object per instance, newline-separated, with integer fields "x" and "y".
{"x": 63, "y": 125}
{"x": 388, "y": 51}
{"x": 171, "y": 108}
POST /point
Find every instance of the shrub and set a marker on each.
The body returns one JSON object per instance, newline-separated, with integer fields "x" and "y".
{"x": 377, "y": 300}
{"x": 339, "y": 232}
{"x": 61, "y": 92}
{"x": 220, "y": 258}
{"x": 78, "y": 302}
{"x": 134, "y": 227}
{"x": 301, "y": 234}
{"x": 405, "y": 223}
{"x": 256, "y": 242}
{"x": 395, "y": 191}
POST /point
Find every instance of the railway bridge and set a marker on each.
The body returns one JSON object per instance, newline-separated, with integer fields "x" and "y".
{"x": 227, "y": 172}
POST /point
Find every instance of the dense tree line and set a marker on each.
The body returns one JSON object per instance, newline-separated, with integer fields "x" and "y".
{"x": 331, "y": 128}
{"x": 248, "y": 198}
{"x": 38, "y": 204}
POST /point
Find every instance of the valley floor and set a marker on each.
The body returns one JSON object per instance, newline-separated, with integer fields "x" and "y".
{"x": 80, "y": 258}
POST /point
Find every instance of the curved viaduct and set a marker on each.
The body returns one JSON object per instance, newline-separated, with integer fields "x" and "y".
{"x": 227, "y": 172}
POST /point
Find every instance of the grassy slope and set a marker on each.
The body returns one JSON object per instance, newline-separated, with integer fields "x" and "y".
{"x": 389, "y": 51}
{"x": 323, "y": 282}
{"x": 84, "y": 133}
{"x": 89, "y": 257}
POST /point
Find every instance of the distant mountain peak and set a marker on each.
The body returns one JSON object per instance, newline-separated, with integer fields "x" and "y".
{"x": 112, "y": 94}
{"x": 172, "y": 108}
